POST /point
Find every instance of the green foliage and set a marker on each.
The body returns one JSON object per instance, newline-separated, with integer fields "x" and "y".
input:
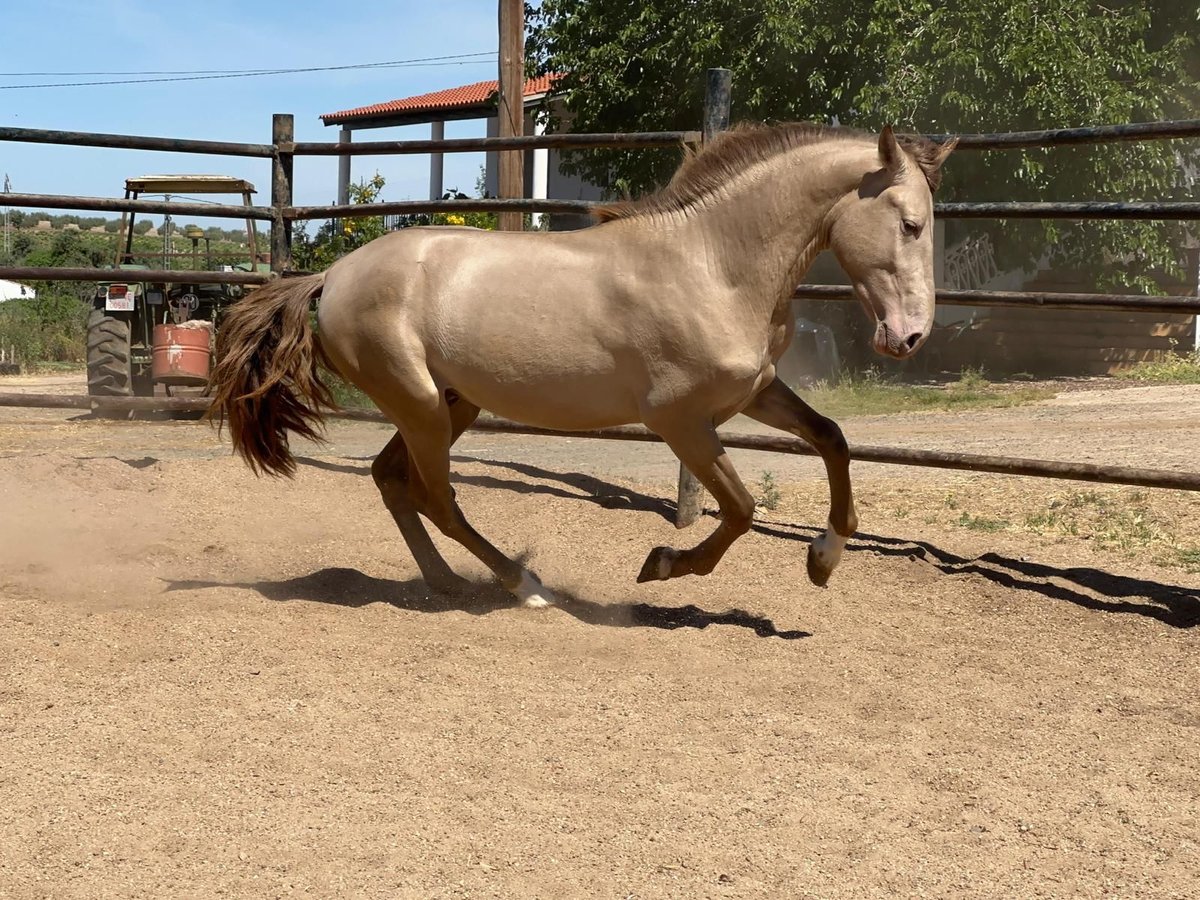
{"x": 1113, "y": 520}
{"x": 872, "y": 394}
{"x": 337, "y": 237}
{"x": 1187, "y": 558}
{"x": 52, "y": 327}
{"x": 1178, "y": 368}
{"x": 982, "y": 523}
{"x": 769, "y": 494}
{"x": 977, "y": 65}
{"x": 346, "y": 395}
{"x": 482, "y": 220}
{"x": 49, "y": 328}
{"x": 87, "y": 249}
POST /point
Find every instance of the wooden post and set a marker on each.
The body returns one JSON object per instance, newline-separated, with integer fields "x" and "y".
{"x": 690, "y": 498}
{"x": 283, "y": 136}
{"x": 511, "y": 111}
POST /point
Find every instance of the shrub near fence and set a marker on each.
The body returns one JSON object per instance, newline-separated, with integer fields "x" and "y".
{"x": 50, "y": 328}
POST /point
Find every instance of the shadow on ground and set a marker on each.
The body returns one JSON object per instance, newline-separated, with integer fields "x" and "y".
{"x": 351, "y": 588}
{"x": 1096, "y": 589}
{"x": 568, "y": 485}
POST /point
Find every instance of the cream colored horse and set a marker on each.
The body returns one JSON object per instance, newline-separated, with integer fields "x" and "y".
{"x": 671, "y": 312}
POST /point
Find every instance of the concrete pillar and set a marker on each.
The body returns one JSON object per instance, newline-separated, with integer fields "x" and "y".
{"x": 541, "y": 170}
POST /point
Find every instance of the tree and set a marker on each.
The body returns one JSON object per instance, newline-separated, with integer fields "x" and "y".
{"x": 338, "y": 237}
{"x": 976, "y": 65}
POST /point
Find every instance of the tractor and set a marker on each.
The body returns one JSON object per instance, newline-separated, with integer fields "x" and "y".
{"x": 143, "y": 335}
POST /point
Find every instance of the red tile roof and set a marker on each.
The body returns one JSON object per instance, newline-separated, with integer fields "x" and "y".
{"x": 468, "y": 95}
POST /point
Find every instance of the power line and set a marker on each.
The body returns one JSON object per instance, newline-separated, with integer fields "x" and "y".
{"x": 392, "y": 62}
{"x": 211, "y": 75}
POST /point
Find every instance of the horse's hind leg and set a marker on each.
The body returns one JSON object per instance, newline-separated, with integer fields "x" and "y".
{"x": 778, "y": 407}
{"x": 392, "y": 476}
{"x": 699, "y": 448}
{"x": 397, "y": 480}
{"x": 429, "y": 434}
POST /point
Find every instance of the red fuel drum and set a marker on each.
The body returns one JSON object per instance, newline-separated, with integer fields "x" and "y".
{"x": 182, "y": 353}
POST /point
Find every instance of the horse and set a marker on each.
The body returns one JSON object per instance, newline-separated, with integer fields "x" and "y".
{"x": 671, "y": 311}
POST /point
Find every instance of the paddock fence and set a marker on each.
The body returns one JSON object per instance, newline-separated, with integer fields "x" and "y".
{"x": 282, "y": 212}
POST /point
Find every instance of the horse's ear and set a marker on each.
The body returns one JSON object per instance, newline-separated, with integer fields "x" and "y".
{"x": 889, "y": 150}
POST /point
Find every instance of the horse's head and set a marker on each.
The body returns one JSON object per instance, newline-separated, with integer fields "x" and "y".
{"x": 882, "y": 234}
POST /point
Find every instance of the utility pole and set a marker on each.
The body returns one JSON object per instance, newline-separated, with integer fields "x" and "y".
{"x": 511, "y": 110}
{"x": 7, "y": 239}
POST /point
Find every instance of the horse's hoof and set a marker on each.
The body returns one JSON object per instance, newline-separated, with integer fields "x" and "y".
{"x": 817, "y": 573}
{"x": 657, "y": 566}
{"x": 532, "y": 593}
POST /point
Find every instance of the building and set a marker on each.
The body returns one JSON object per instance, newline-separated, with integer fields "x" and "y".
{"x": 543, "y": 176}
{"x": 13, "y": 290}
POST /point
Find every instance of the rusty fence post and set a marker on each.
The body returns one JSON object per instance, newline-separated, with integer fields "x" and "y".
{"x": 690, "y": 499}
{"x": 283, "y": 137}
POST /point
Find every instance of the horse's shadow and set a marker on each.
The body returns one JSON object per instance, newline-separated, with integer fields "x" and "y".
{"x": 353, "y": 589}
{"x": 1091, "y": 588}
{"x": 574, "y": 485}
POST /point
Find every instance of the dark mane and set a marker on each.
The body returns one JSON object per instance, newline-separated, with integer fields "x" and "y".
{"x": 706, "y": 170}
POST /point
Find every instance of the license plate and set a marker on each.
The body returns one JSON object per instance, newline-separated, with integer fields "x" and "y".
{"x": 119, "y": 300}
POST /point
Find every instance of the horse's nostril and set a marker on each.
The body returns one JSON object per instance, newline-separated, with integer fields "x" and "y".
{"x": 913, "y": 340}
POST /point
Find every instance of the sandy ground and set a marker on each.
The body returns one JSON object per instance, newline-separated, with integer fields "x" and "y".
{"x": 215, "y": 685}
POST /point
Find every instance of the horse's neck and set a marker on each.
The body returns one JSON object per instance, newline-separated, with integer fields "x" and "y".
{"x": 767, "y": 228}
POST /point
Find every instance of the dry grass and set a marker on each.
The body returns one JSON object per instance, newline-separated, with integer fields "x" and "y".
{"x": 1174, "y": 369}
{"x": 870, "y": 394}
{"x": 1133, "y": 524}
{"x": 1126, "y": 521}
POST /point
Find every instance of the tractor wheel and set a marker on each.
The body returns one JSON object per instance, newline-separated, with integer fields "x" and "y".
{"x": 108, "y": 369}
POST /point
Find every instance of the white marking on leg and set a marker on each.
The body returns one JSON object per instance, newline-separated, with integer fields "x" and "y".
{"x": 532, "y": 594}
{"x": 666, "y": 559}
{"x": 828, "y": 548}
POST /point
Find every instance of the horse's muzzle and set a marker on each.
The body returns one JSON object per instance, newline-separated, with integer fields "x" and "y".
{"x": 898, "y": 345}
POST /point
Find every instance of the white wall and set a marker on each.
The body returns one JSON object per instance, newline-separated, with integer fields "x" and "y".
{"x": 11, "y": 290}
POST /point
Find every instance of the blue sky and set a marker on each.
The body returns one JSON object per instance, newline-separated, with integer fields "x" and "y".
{"x": 135, "y": 35}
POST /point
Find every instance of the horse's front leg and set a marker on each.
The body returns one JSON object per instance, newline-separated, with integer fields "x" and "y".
{"x": 698, "y": 447}
{"x": 777, "y": 406}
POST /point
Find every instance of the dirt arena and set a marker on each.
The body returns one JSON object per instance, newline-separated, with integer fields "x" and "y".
{"x": 212, "y": 685}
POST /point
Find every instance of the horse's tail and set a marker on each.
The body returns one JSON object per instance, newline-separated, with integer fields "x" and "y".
{"x": 267, "y": 380}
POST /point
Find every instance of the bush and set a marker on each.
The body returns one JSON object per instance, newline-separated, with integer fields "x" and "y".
{"x": 50, "y": 328}
{"x": 1175, "y": 368}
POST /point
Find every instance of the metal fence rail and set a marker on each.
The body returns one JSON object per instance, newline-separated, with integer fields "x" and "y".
{"x": 121, "y": 205}
{"x": 1064, "y": 137}
{"x": 1187, "y": 305}
{"x": 176, "y": 276}
{"x": 1072, "y": 209}
{"x": 134, "y": 142}
{"x": 628, "y": 141}
{"x": 970, "y": 462}
{"x": 408, "y": 207}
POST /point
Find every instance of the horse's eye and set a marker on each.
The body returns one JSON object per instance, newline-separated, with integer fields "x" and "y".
{"x": 912, "y": 229}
